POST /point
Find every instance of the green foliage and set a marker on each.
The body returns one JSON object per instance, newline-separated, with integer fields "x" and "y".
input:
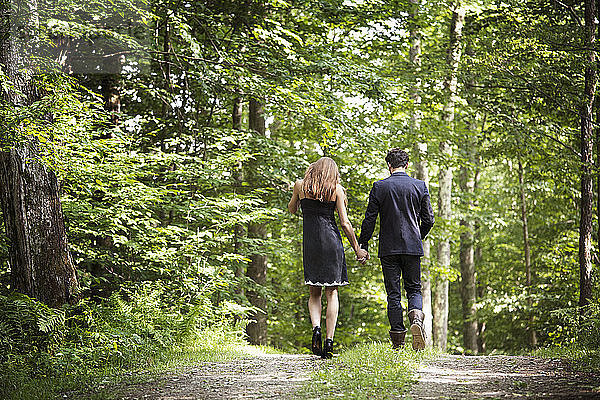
{"x": 581, "y": 357}
{"x": 132, "y": 328}
{"x": 156, "y": 206}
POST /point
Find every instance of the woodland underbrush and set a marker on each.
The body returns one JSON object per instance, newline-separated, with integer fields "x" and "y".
{"x": 576, "y": 338}
{"x": 84, "y": 349}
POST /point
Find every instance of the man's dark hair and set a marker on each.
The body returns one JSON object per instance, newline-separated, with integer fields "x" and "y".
{"x": 397, "y": 158}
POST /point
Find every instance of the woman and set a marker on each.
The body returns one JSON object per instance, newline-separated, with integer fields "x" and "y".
{"x": 319, "y": 194}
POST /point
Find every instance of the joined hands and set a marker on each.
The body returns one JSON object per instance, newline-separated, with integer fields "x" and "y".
{"x": 362, "y": 256}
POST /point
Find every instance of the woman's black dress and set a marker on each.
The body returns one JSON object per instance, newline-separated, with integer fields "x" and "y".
{"x": 323, "y": 253}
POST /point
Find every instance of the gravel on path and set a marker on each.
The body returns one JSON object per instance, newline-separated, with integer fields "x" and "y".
{"x": 270, "y": 376}
{"x": 503, "y": 377}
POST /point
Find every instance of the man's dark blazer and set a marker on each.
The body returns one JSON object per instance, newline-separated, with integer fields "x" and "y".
{"x": 405, "y": 213}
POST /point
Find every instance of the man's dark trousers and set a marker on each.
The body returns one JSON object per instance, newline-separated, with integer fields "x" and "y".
{"x": 394, "y": 268}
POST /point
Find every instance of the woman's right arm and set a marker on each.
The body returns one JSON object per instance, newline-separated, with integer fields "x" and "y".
{"x": 295, "y": 200}
{"x": 341, "y": 201}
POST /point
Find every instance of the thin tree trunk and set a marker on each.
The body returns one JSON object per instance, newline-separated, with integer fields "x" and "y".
{"x": 527, "y": 255}
{"x": 467, "y": 253}
{"x": 480, "y": 292}
{"x": 585, "y": 224}
{"x": 257, "y": 267}
{"x": 40, "y": 262}
{"x": 238, "y": 173}
{"x": 420, "y": 151}
{"x": 111, "y": 91}
{"x": 469, "y": 172}
{"x": 440, "y": 303}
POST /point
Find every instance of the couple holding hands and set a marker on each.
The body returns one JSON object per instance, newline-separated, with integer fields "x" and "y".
{"x": 406, "y": 217}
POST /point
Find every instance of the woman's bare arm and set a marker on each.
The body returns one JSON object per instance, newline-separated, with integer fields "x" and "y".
{"x": 295, "y": 200}
{"x": 345, "y": 221}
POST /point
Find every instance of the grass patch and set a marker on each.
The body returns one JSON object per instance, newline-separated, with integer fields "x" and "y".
{"x": 579, "y": 357}
{"x": 367, "y": 371}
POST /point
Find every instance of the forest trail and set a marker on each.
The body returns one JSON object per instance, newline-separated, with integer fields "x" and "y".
{"x": 267, "y": 376}
{"x": 512, "y": 377}
{"x": 278, "y": 376}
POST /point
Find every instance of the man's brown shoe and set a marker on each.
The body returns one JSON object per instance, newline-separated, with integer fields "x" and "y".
{"x": 397, "y": 338}
{"x": 416, "y": 318}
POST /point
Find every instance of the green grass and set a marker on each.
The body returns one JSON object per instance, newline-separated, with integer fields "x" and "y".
{"x": 101, "y": 384}
{"x": 580, "y": 357}
{"x": 367, "y": 371}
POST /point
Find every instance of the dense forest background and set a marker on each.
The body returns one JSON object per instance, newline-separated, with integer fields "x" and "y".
{"x": 176, "y": 129}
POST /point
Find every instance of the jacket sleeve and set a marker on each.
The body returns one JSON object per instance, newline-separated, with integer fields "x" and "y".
{"x": 426, "y": 214}
{"x": 368, "y": 224}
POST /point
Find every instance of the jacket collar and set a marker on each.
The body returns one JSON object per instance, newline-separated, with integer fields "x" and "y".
{"x": 399, "y": 173}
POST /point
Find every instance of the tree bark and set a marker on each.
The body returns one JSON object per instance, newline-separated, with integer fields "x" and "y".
{"x": 585, "y": 224}
{"x": 257, "y": 267}
{"x": 527, "y": 255}
{"x": 467, "y": 253}
{"x": 111, "y": 91}
{"x": 420, "y": 151}
{"x": 238, "y": 175}
{"x": 440, "y": 303}
{"x": 40, "y": 262}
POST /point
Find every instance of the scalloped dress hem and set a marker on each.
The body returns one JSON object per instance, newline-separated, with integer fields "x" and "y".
{"x": 326, "y": 284}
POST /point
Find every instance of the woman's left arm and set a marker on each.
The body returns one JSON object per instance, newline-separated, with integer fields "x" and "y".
{"x": 341, "y": 202}
{"x": 295, "y": 200}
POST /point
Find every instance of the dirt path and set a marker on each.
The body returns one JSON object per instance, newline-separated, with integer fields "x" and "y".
{"x": 271, "y": 376}
{"x": 448, "y": 377}
{"x": 460, "y": 377}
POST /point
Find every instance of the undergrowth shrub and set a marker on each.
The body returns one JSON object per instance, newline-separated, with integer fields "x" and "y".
{"x": 577, "y": 325}
{"x": 132, "y": 327}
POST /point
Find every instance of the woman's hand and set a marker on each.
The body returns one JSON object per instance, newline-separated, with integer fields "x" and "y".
{"x": 362, "y": 255}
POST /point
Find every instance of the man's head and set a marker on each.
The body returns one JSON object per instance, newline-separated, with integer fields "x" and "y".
{"x": 397, "y": 158}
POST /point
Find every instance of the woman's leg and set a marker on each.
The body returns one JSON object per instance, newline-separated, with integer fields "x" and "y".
{"x": 333, "y": 306}
{"x": 314, "y": 305}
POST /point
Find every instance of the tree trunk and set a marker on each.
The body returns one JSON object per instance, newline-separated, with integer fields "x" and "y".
{"x": 257, "y": 267}
{"x": 40, "y": 262}
{"x": 440, "y": 304}
{"x": 467, "y": 254}
{"x": 238, "y": 175}
{"x": 110, "y": 84}
{"x": 585, "y": 224}
{"x": 420, "y": 151}
{"x": 527, "y": 255}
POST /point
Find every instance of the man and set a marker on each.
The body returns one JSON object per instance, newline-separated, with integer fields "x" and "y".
{"x": 406, "y": 218}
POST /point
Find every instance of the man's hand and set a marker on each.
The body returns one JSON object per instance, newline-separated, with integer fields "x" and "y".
{"x": 362, "y": 255}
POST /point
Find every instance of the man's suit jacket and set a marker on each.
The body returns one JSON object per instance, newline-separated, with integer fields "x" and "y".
{"x": 405, "y": 213}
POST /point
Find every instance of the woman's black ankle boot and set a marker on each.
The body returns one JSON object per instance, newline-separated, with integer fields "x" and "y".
{"x": 316, "y": 341}
{"x": 328, "y": 349}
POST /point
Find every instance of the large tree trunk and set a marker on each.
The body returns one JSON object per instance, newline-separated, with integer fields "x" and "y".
{"x": 585, "y": 224}
{"x": 527, "y": 255}
{"x": 257, "y": 267}
{"x": 40, "y": 262}
{"x": 468, "y": 293}
{"x": 420, "y": 151}
{"x": 440, "y": 303}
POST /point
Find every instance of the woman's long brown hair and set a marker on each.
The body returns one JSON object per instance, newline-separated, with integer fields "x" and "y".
{"x": 321, "y": 179}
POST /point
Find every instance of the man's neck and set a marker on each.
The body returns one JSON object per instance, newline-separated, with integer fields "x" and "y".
{"x": 399, "y": 169}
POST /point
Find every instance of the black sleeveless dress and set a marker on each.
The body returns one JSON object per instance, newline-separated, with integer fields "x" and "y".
{"x": 323, "y": 253}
